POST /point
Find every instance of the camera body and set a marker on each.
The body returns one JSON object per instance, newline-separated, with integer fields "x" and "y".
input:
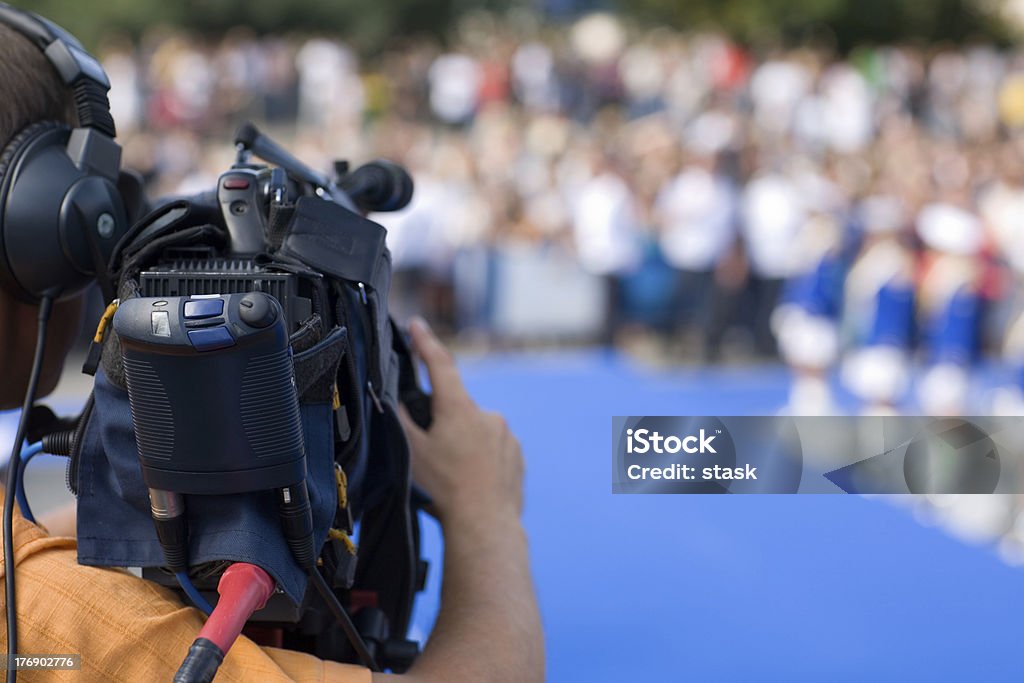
{"x": 223, "y": 400}
{"x": 212, "y": 393}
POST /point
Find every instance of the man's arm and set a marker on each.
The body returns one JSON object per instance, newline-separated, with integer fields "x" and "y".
{"x": 469, "y": 462}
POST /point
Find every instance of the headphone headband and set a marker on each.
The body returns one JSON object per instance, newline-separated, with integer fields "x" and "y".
{"x": 77, "y": 68}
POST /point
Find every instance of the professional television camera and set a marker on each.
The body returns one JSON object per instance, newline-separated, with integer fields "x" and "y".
{"x": 242, "y": 431}
{"x": 251, "y": 332}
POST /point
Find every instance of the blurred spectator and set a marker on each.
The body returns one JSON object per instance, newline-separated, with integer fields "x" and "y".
{"x": 330, "y": 90}
{"x": 454, "y": 87}
{"x": 606, "y": 229}
{"x": 533, "y": 73}
{"x": 773, "y": 212}
{"x": 879, "y": 307}
{"x": 697, "y": 215}
{"x": 950, "y": 304}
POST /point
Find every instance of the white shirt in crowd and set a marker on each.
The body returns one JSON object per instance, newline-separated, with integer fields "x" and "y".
{"x": 848, "y": 116}
{"x": 776, "y": 88}
{"x": 533, "y": 76}
{"x": 605, "y": 224}
{"x": 773, "y": 215}
{"x": 125, "y": 99}
{"x": 329, "y": 85}
{"x": 454, "y": 87}
{"x": 1002, "y": 207}
{"x": 697, "y": 211}
{"x": 446, "y": 214}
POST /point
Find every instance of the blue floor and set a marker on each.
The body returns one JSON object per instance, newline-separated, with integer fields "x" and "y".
{"x": 732, "y": 588}
{"x": 757, "y": 588}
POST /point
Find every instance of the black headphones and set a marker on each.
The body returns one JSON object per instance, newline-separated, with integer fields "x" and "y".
{"x": 60, "y": 209}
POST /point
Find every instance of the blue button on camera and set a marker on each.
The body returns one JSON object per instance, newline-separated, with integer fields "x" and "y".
{"x": 204, "y": 308}
{"x": 211, "y": 338}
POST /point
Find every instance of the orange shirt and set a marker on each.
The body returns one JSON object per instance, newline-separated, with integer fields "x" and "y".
{"x": 126, "y": 628}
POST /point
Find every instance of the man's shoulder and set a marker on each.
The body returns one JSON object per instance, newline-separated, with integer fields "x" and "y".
{"x": 30, "y": 539}
{"x": 113, "y": 618}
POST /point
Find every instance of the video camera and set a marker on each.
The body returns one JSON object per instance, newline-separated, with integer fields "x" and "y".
{"x": 262, "y": 374}
{"x": 224, "y": 340}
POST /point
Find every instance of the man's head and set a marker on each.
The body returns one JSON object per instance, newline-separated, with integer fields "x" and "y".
{"x": 31, "y": 91}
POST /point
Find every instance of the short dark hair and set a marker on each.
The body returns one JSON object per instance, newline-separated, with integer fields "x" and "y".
{"x": 30, "y": 89}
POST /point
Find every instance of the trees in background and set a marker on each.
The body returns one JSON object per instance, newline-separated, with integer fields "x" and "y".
{"x": 846, "y": 23}
{"x": 371, "y": 23}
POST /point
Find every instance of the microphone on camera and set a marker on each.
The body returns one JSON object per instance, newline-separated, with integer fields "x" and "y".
{"x": 380, "y": 185}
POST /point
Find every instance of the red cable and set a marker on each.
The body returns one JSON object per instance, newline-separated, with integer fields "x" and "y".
{"x": 244, "y": 588}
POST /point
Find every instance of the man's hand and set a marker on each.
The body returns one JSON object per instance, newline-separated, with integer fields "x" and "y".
{"x": 468, "y": 462}
{"x": 488, "y": 629}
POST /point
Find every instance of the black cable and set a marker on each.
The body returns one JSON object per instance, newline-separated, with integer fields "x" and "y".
{"x": 45, "y": 307}
{"x": 346, "y": 622}
{"x": 201, "y": 663}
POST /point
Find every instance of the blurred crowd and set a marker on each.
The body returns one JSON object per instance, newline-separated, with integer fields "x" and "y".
{"x": 591, "y": 181}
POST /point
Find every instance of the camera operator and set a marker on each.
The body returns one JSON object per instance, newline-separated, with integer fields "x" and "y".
{"x": 128, "y": 629}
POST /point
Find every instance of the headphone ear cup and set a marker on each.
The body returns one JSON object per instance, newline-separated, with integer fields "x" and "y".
{"x": 18, "y": 144}
{"x": 12, "y": 153}
{"x": 45, "y": 201}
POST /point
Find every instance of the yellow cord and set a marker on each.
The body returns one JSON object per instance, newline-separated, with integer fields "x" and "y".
{"x": 342, "y": 481}
{"x": 339, "y": 535}
{"x": 108, "y": 315}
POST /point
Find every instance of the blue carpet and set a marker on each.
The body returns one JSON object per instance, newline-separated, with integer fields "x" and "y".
{"x": 757, "y": 588}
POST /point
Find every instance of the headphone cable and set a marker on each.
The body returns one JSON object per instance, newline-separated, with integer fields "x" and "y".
{"x": 343, "y": 619}
{"x": 13, "y": 468}
{"x": 26, "y": 455}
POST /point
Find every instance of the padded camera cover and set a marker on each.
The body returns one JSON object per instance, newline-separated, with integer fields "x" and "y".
{"x": 115, "y": 527}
